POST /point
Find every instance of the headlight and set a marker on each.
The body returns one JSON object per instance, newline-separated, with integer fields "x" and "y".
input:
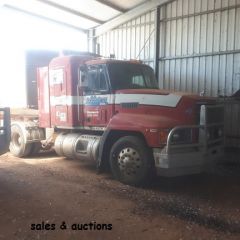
{"x": 182, "y": 136}
{"x": 176, "y": 136}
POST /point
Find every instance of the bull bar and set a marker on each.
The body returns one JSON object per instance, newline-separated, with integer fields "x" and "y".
{"x": 195, "y": 157}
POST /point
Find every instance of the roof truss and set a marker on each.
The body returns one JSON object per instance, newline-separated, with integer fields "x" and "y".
{"x": 72, "y": 11}
{"x": 111, "y": 5}
{"x": 43, "y": 17}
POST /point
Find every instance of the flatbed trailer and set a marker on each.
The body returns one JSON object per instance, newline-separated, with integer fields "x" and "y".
{"x": 5, "y": 133}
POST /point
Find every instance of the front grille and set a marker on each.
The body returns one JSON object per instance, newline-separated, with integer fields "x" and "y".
{"x": 214, "y": 114}
{"x": 212, "y": 119}
{"x": 130, "y": 105}
{"x": 182, "y": 136}
{"x": 211, "y": 114}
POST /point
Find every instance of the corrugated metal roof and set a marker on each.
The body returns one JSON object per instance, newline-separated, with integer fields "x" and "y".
{"x": 79, "y": 14}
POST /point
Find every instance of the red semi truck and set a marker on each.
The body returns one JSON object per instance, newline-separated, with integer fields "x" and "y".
{"x": 112, "y": 112}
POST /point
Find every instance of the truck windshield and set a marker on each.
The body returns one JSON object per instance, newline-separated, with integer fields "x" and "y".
{"x": 131, "y": 76}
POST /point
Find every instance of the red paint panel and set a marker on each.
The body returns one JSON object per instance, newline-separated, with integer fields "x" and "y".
{"x": 61, "y": 115}
{"x": 65, "y": 113}
{"x": 43, "y": 97}
{"x": 66, "y": 116}
{"x": 98, "y": 116}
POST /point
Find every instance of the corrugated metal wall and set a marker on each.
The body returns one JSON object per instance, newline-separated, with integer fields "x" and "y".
{"x": 200, "y": 46}
{"x": 199, "y": 50}
{"x": 132, "y": 40}
{"x": 232, "y": 123}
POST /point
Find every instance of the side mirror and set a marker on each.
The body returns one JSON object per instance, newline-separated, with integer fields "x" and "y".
{"x": 82, "y": 76}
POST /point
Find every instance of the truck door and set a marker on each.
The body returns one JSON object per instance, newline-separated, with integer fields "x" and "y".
{"x": 43, "y": 97}
{"x": 97, "y": 100}
{"x": 58, "y": 96}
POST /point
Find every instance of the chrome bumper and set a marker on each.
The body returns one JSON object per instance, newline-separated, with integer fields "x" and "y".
{"x": 194, "y": 157}
{"x": 185, "y": 163}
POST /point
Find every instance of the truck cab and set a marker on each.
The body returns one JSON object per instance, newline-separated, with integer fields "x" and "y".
{"x": 103, "y": 83}
{"x": 112, "y": 112}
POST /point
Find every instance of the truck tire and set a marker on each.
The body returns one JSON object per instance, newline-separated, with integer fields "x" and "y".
{"x": 131, "y": 161}
{"x": 17, "y": 145}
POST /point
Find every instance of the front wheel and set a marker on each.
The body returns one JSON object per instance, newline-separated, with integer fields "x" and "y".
{"x": 131, "y": 161}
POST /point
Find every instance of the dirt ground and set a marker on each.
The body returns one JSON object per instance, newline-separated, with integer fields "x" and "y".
{"x": 48, "y": 190}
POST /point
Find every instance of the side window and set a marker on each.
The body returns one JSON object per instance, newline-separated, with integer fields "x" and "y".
{"x": 102, "y": 80}
{"x": 149, "y": 77}
{"x": 96, "y": 80}
{"x": 92, "y": 79}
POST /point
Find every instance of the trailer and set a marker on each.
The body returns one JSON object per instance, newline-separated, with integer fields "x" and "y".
{"x": 5, "y": 134}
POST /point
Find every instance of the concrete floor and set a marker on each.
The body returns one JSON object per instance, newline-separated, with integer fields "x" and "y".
{"x": 51, "y": 190}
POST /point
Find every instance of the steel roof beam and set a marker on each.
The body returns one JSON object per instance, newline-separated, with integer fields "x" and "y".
{"x": 111, "y": 5}
{"x": 131, "y": 14}
{"x": 43, "y": 17}
{"x": 72, "y": 11}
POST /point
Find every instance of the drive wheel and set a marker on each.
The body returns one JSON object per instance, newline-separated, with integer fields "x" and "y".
{"x": 131, "y": 161}
{"x": 17, "y": 145}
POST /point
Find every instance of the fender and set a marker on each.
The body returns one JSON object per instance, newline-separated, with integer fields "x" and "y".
{"x": 31, "y": 131}
{"x": 130, "y": 123}
{"x": 102, "y": 145}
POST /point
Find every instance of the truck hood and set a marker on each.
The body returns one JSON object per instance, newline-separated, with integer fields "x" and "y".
{"x": 162, "y": 92}
{"x": 157, "y": 108}
{"x": 159, "y": 97}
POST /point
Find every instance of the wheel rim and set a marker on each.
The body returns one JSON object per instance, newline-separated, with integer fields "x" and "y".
{"x": 129, "y": 162}
{"x": 16, "y": 140}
